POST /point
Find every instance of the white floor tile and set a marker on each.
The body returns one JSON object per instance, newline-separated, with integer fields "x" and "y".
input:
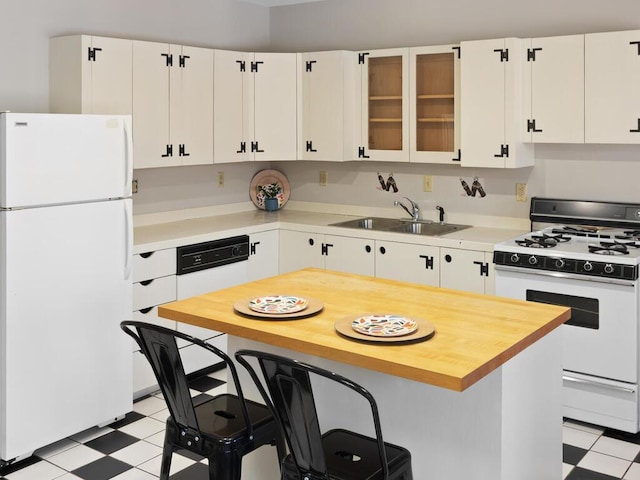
{"x": 616, "y": 448}
{"x": 137, "y": 453}
{"x": 69, "y": 476}
{"x": 135, "y": 474}
{"x": 55, "y": 448}
{"x": 143, "y": 428}
{"x": 578, "y": 438}
{"x": 633, "y": 473}
{"x": 162, "y": 415}
{"x": 616, "y": 467}
{"x": 149, "y": 405}
{"x": 566, "y": 470}
{"x": 156, "y": 439}
{"x": 90, "y": 434}
{"x": 178, "y": 462}
{"x": 585, "y": 428}
{"x": 75, "y": 457}
{"x": 38, "y": 471}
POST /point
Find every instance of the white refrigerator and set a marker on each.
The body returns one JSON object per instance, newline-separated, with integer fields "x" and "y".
{"x": 65, "y": 276}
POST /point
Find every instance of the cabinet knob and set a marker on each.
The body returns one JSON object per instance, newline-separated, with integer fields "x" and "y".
{"x": 383, "y": 250}
{"x": 448, "y": 258}
{"x": 367, "y": 248}
{"x": 311, "y": 242}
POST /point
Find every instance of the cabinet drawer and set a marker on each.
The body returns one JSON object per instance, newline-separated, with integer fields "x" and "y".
{"x": 154, "y": 264}
{"x": 154, "y": 292}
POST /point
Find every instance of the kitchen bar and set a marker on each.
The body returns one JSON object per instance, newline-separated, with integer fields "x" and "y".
{"x": 491, "y": 372}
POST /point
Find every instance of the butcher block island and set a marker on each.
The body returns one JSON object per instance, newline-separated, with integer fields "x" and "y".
{"x": 479, "y": 398}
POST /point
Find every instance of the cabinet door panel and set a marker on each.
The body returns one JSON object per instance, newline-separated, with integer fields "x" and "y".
{"x": 462, "y": 269}
{"x": 275, "y": 96}
{"x": 612, "y": 87}
{"x": 111, "y": 72}
{"x": 192, "y": 105}
{"x": 557, "y": 90}
{"x": 263, "y": 258}
{"x": 233, "y": 107}
{"x": 351, "y": 255}
{"x": 151, "y": 105}
{"x": 408, "y": 263}
{"x": 299, "y": 250}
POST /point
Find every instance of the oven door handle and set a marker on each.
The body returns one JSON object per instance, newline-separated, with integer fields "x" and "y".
{"x": 573, "y": 276}
{"x": 598, "y": 384}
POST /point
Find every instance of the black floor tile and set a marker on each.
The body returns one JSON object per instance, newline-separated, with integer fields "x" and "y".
{"x": 112, "y": 442}
{"x": 14, "y": 467}
{"x": 196, "y": 471}
{"x": 581, "y": 474}
{"x": 102, "y": 469}
{"x": 624, "y": 436}
{"x": 205, "y": 383}
{"x": 572, "y": 455}
{"x": 129, "y": 418}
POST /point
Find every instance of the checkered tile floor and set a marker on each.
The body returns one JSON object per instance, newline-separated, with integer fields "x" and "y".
{"x": 131, "y": 449}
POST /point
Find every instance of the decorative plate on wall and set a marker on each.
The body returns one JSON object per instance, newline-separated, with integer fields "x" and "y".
{"x": 269, "y": 183}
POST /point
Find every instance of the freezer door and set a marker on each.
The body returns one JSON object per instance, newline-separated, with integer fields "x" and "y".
{"x": 49, "y": 159}
{"x": 65, "y": 287}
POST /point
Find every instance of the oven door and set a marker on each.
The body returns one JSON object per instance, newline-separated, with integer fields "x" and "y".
{"x": 601, "y": 338}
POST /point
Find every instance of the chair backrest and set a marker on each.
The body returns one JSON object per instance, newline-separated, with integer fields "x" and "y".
{"x": 290, "y": 396}
{"x": 159, "y": 346}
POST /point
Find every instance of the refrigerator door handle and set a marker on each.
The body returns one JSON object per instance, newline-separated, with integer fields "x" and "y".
{"x": 128, "y": 239}
{"x": 128, "y": 152}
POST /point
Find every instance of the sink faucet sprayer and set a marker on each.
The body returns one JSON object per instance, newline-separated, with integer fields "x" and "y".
{"x": 415, "y": 209}
{"x": 441, "y": 209}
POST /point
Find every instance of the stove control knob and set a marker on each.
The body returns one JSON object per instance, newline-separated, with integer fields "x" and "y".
{"x": 559, "y": 263}
{"x": 533, "y": 260}
{"x": 515, "y": 258}
{"x": 608, "y": 268}
{"x": 587, "y": 266}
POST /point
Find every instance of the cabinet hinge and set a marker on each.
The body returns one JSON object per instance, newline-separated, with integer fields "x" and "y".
{"x": 325, "y": 248}
{"x": 182, "y": 59}
{"x": 252, "y": 248}
{"x": 91, "y": 53}
{"x": 309, "y": 65}
{"x": 484, "y": 268}
{"x": 182, "y": 151}
{"x": 169, "y": 151}
{"x": 361, "y": 57}
{"x": 254, "y": 66}
{"x": 458, "y": 158}
{"x": 310, "y": 146}
{"x": 428, "y": 262}
{"x": 504, "y": 151}
{"x": 457, "y": 49}
{"x": 168, "y": 59}
{"x": 361, "y": 153}
{"x": 637, "y": 44}
{"x": 255, "y": 148}
{"x": 243, "y": 65}
{"x": 504, "y": 54}
{"x": 531, "y": 126}
{"x": 636, "y": 130}
{"x": 531, "y": 54}
{"x": 243, "y": 148}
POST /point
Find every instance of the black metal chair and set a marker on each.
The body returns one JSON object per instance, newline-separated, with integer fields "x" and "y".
{"x": 223, "y": 428}
{"x": 337, "y": 454}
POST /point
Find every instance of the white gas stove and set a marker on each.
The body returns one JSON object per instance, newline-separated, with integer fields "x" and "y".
{"x": 585, "y": 255}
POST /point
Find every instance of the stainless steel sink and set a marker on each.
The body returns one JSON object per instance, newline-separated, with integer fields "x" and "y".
{"x": 370, "y": 223}
{"x": 432, "y": 229}
{"x": 401, "y": 226}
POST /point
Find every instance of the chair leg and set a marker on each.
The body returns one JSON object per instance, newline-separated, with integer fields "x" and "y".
{"x": 225, "y": 467}
{"x": 167, "y": 452}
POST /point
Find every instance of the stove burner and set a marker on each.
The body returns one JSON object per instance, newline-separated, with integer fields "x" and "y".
{"x": 633, "y": 235}
{"x": 609, "y": 248}
{"x": 543, "y": 240}
{"x": 581, "y": 232}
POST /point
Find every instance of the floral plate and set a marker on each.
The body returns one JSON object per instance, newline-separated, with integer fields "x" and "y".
{"x": 384, "y": 325}
{"x": 271, "y": 182}
{"x": 278, "y": 304}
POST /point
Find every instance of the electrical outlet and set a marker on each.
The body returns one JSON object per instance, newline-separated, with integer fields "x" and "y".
{"x": 221, "y": 179}
{"x": 427, "y": 183}
{"x": 521, "y": 192}
{"x": 323, "y": 178}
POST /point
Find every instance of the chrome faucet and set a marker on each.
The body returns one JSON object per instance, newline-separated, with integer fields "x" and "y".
{"x": 441, "y": 209}
{"x": 415, "y": 209}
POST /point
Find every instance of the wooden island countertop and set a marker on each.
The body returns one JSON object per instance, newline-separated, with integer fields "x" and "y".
{"x": 475, "y": 334}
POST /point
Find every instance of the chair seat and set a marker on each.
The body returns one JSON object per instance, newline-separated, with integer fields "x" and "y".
{"x": 352, "y": 456}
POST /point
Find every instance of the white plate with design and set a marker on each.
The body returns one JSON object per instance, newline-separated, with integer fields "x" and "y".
{"x": 278, "y": 304}
{"x": 384, "y": 325}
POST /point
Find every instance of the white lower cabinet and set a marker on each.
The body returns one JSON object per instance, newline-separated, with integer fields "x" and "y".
{"x": 407, "y": 262}
{"x": 299, "y": 250}
{"x": 154, "y": 283}
{"x": 263, "y": 255}
{"x": 468, "y": 270}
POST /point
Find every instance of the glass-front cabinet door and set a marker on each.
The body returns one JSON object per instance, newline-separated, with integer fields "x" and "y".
{"x": 384, "y": 105}
{"x": 434, "y": 104}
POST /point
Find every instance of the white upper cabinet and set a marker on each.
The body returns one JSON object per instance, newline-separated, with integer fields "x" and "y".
{"x": 326, "y": 106}
{"x": 434, "y": 109}
{"x": 554, "y": 89}
{"x": 255, "y": 106}
{"x": 90, "y": 75}
{"x": 612, "y": 87}
{"x": 383, "y": 98}
{"x": 491, "y": 90}
{"x": 172, "y": 105}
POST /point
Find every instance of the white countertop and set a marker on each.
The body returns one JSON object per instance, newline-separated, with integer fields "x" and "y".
{"x": 171, "y": 234}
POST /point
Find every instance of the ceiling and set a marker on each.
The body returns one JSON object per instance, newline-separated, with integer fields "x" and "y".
{"x": 276, "y": 3}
